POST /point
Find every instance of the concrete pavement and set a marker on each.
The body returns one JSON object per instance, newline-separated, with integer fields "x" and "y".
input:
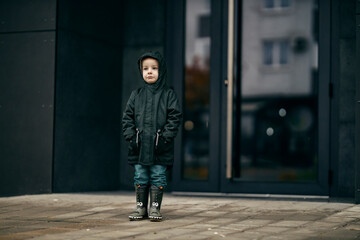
{"x": 95, "y": 216}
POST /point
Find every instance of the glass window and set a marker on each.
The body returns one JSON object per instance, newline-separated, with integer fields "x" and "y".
{"x": 268, "y": 52}
{"x": 284, "y": 52}
{"x": 275, "y": 52}
{"x": 269, "y": 3}
{"x": 197, "y": 91}
{"x": 278, "y": 118}
{"x": 276, "y": 4}
{"x": 285, "y": 3}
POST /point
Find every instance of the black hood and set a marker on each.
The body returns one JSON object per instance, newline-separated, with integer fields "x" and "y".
{"x": 161, "y": 82}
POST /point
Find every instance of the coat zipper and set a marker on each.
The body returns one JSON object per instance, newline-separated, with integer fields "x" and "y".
{"x": 137, "y": 137}
{"x": 157, "y": 137}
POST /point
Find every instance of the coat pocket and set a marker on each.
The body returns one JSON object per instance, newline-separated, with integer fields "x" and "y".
{"x": 161, "y": 145}
{"x": 134, "y": 145}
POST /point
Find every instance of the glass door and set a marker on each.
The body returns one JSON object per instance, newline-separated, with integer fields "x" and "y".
{"x": 253, "y": 78}
{"x": 277, "y": 109}
{"x": 197, "y": 159}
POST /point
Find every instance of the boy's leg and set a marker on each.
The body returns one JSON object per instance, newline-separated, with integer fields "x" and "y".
{"x": 158, "y": 183}
{"x": 158, "y": 176}
{"x": 141, "y": 176}
{"x": 141, "y": 180}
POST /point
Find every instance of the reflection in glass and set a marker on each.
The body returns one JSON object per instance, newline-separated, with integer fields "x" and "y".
{"x": 284, "y": 52}
{"x": 276, "y": 3}
{"x": 197, "y": 92}
{"x": 285, "y": 3}
{"x": 278, "y": 119}
{"x": 269, "y": 3}
{"x": 268, "y": 52}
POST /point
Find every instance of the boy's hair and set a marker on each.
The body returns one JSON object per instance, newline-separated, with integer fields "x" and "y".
{"x": 147, "y": 58}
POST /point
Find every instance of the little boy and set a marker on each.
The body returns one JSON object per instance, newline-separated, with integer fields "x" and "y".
{"x": 150, "y": 123}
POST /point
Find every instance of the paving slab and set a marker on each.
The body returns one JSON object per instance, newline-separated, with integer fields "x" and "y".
{"x": 95, "y": 216}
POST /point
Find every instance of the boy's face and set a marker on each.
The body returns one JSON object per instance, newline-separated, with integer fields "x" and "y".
{"x": 150, "y": 70}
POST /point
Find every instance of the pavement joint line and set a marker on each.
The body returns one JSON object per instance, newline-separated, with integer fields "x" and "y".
{"x": 253, "y": 196}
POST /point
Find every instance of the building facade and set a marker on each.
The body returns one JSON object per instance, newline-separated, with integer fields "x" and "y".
{"x": 269, "y": 91}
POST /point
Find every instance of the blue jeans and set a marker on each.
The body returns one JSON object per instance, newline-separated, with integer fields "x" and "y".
{"x": 150, "y": 175}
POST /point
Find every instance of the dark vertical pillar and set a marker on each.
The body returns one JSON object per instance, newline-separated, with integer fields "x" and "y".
{"x": 27, "y": 68}
{"x": 333, "y": 174}
{"x": 88, "y": 95}
{"x": 357, "y": 129}
{"x": 347, "y": 94}
{"x": 175, "y": 62}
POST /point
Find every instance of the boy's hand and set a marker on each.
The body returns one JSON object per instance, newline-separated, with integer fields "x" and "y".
{"x": 133, "y": 147}
{"x": 133, "y": 139}
{"x": 163, "y": 145}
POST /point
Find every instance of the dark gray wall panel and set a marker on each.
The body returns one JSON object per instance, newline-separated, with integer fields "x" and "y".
{"x": 347, "y": 94}
{"x": 24, "y": 15}
{"x": 143, "y": 13}
{"x": 26, "y": 112}
{"x": 357, "y": 109}
{"x": 88, "y": 96}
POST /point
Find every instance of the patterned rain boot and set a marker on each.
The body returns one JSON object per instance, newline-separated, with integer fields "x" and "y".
{"x": 156, "y": 195}
{"x": 142, "y": 196}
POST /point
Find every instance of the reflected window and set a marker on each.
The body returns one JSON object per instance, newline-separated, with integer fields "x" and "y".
{"x": 269, "y": 3}
{"x": 285, "y": 3}
{"x": 275, "y": 52}
{"x": 268, "y": 52}
{"x": 276, "y": 4}
{"x": 284, "y": 52}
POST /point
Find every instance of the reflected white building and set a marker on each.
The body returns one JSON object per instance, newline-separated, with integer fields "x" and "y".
{"x": 279, "y": 52}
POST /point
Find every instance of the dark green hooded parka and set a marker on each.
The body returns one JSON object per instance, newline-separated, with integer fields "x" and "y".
{"x": 151, "y": 119}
